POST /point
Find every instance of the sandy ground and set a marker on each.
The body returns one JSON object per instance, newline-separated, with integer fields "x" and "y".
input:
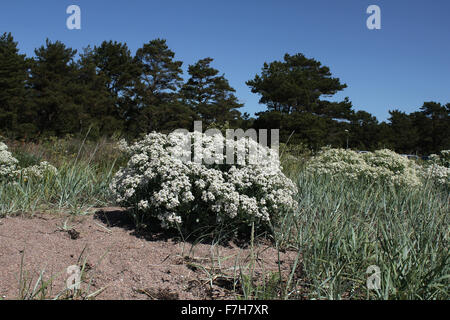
{"x": 125, "y": 265}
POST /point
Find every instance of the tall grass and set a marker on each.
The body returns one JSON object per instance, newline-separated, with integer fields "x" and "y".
{"x": 85, "y": 170}
{"x": 342, "y": 228}
{"x": 75, "y": 189}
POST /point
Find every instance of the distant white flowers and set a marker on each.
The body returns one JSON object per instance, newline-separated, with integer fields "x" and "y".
{"x": 38, "y": 171}
{"x": 381, "y": 165}
{"x": 8, "y": 164}
{"x": 163, "y": 179}
{"x": 439, "y": 168}
{"x": 384, "y": 165}
{"x": 10, "y": 170}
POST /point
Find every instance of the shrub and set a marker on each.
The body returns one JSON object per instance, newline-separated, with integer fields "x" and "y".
{"x": 162, "y": 181}
{"x": 381, "y": 165}
{"x": 438, "y": 168}
{"x": 10, "y": 169}
{"x": 443, "y": 159}
{"x": 8, "y": 163}
{"x": 38, "y": 171}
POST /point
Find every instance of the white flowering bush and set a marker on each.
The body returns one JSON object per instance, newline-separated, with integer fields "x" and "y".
{"x": 11, "y": 171}
{"x": 438, "y": 174}
{"x": 381, "y": 165}
{"x": 38, "y": 171}
{"x": 442, "y": 159}
{"x": 8, "y": 164}
{"x": 437, "y": 169}
{"x": 445, "y": 158}
{"x": 162, "y": 181}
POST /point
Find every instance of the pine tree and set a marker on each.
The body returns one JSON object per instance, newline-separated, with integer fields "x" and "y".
{"x": 156, "y": 93}
{"x": 210, "y": 95}
{"x": 120, "y": 74}
{"x": 293, "y": 91}
{"x": 432, "y": 124}
{"x": 297, "y": 85}
{"x": 161, "y": 75}
{"x": 13, "y": 76}
{"x": 99, "y": 113}
{"x": 53, "y": 90}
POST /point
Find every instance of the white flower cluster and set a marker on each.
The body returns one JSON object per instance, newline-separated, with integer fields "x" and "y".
{"x": 384, "y": 165}
{"x": 175, "y": 183}
{"x": 439, "y": 174}
{"x": 439, "y": 169}
{"x": 38, "y": 171}
{"x": 8, "y": 164}
{"x": 443, "y": 159}
{"x": 9, "y": 169}
{"x": 122, "y": 145}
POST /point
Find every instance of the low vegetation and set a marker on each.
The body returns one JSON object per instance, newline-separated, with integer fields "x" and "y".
{"x": 342, "y": 224}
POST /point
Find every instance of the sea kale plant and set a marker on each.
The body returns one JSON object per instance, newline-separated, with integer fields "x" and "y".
{"x": 383, "y": 165}
{"x": 11, "y": 171}
{"x": 189, "y": 180}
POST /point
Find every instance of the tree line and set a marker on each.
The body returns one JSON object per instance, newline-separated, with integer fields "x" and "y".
{"x": 106, "y": 90}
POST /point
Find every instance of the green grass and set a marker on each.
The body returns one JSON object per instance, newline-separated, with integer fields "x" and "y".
{"x": 42, "y": 287}
{"x": 342, "y": 228}
{"x": 84, "y": 168}
{"x": 76, "y": 188}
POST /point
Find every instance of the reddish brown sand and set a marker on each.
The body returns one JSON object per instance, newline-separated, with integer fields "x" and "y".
{"x": 126, "y": 265}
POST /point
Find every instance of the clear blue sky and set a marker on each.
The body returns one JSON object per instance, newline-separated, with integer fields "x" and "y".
{"x": 400, "y": 66}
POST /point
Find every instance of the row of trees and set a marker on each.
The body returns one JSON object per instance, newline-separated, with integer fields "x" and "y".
{"x": 107, "y": 90}
{"x": 295, "y": 89}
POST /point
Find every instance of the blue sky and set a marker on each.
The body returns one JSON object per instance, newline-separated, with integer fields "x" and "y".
{"x": 400, "y": 66}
